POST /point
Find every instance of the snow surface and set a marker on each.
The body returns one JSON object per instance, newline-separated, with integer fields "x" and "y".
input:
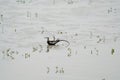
{"x": 91, "y": 26}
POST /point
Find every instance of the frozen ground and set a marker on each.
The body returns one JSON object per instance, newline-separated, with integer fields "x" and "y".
{"x": 92, "y": 28}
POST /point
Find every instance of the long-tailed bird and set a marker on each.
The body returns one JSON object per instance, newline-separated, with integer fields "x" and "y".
{"x": 53, "y": 42}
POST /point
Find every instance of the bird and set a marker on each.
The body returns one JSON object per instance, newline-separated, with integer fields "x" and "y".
{"x": 54, "y": 42}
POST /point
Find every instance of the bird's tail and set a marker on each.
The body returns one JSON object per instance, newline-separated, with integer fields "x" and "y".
{"x": 65, "y": 41}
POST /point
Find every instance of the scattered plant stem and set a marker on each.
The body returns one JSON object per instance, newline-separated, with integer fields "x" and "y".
{"x": 48, "y": 70}
{"x": 9, "y": 53}
{"x": 112, "y": 51}
{"x": 69, "y": 54}
{"x": 27, "y": 55}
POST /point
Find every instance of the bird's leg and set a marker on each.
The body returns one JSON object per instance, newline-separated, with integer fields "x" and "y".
{"x": 48, "y": 48}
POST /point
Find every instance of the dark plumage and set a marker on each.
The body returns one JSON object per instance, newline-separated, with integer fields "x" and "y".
{"x": 53, "y": 42}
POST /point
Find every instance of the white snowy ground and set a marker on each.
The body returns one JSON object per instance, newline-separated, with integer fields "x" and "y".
{"x": 91, "y": 27}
